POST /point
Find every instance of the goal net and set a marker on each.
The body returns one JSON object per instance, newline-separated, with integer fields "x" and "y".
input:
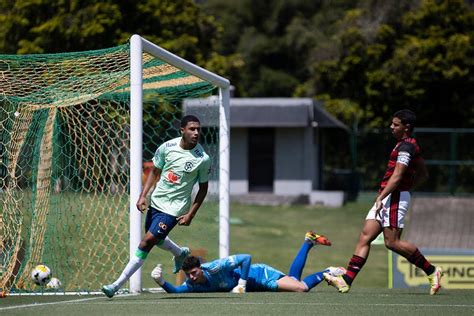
{"x": 67, "y": 192}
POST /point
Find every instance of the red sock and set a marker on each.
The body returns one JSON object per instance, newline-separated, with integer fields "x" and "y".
{"x": 420, "y": 261}
{"x": 355, "y": 265}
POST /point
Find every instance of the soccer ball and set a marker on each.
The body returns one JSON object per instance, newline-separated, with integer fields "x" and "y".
{"x": 54, "y": 284}
{"x": 41, "y": 275}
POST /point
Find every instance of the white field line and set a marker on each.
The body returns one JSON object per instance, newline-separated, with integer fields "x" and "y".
{"x": 161, "y": 302}
{"x": 44, "y": 304}
{"x": 55, "y": 293}
{"x": 60, "y": 293}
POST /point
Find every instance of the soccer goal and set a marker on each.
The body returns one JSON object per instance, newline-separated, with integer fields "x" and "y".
{"x": 77, "y": 132}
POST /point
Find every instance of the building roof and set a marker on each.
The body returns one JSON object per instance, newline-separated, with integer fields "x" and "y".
{"x": 264, "y": 112}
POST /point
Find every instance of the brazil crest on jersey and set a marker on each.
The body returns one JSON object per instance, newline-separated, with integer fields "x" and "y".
{"x": 181, "y": 169}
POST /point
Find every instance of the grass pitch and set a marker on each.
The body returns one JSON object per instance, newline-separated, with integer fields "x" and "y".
{"x": 272, "y": 235}
{"x": 321, "y": 301}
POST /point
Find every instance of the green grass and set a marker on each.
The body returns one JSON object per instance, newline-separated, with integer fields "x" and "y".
{"x": 321, "y": 301}
{"x": 272, "y": 235}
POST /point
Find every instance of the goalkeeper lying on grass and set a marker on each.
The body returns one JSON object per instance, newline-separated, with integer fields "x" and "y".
{"x": 236, "y": 273}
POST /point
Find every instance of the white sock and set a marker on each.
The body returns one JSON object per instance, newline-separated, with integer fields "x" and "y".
{"x": 171, "y": 246}
{"x": 133, "y": 265}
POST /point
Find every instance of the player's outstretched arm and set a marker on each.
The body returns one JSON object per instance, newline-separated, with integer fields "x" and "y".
{"x": 169, "y": 288}
{"x": 157, "y": 275}
{"x": 187, "y": 218}
{"x": 244, "y": 262}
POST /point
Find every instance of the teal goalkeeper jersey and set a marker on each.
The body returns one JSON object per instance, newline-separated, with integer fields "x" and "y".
{"x": 181, "y": 169}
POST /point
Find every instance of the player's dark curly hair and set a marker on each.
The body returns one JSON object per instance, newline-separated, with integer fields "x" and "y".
{"x": 188, "y": 118}
{"x": 191, "y": 262}
{"x": 406, "y": 117}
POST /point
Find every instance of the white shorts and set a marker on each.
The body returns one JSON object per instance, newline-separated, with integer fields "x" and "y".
{"x": 395, "y": 207}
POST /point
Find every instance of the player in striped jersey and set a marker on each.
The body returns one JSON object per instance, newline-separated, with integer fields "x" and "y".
{"x": 236, "y": 273}
{"x": 405, "y": 170}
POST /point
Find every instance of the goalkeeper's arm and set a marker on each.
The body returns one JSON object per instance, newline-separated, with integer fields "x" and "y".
{"x": 169, "y": 288}
{"x": 157, "y": 275}
{"x": 244, "y": 262}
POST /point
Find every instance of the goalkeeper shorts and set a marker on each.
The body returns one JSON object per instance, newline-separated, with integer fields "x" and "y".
{"x": 263, "y": 277}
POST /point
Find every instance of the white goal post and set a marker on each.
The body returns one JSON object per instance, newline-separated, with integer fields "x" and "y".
{"x": 138, "y": 46}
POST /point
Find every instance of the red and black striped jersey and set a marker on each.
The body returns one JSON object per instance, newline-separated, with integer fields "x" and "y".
{"x": 407, "y": 152}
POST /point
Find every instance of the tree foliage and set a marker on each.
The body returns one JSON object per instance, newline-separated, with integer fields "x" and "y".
{"x": 422, "y": 60}
{"x": 364, "y": 58}
{"x": 274, "y": 39}
{"x": 49, "y": 26}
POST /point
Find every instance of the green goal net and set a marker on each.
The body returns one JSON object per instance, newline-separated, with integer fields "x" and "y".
{"x": 65, "y": 160}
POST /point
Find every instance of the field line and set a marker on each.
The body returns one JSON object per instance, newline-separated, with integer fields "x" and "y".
{"x": 50, "y": 303}
{"x": 128, "y": 302}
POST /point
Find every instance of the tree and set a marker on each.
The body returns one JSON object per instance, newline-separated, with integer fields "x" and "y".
{"x": 274, "y": 40}
{"x": 36, "y": 26}
{"x": 51, "y": 26}
{"x": 422, "y": 59}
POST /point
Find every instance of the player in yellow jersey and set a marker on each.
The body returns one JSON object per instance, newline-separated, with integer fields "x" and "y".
{"x": 177, "y": 165}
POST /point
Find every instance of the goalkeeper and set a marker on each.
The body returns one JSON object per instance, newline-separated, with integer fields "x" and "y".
{"x": 178, "y": 164}
{"x": 236, "y": 273}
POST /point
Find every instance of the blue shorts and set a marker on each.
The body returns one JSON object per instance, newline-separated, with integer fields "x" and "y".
{"x": 159, "y": 223}
{"x": 262, "y": 277}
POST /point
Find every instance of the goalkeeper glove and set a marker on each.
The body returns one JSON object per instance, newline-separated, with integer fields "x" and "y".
{"x": 240, "y": 287}
{"x": 157, "y": 274}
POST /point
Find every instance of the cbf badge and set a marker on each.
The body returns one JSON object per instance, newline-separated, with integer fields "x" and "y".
{"x": 188, "y": 166}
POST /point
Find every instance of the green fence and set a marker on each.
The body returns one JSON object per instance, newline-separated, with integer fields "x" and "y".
{"x": 357, "y": 161}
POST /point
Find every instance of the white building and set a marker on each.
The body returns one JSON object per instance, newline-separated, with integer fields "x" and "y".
{"x": 275, "y": 145}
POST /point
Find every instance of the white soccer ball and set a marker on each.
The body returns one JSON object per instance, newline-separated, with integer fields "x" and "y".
{"x": 41, "y": 275}
{"x": 54, "y": 284}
